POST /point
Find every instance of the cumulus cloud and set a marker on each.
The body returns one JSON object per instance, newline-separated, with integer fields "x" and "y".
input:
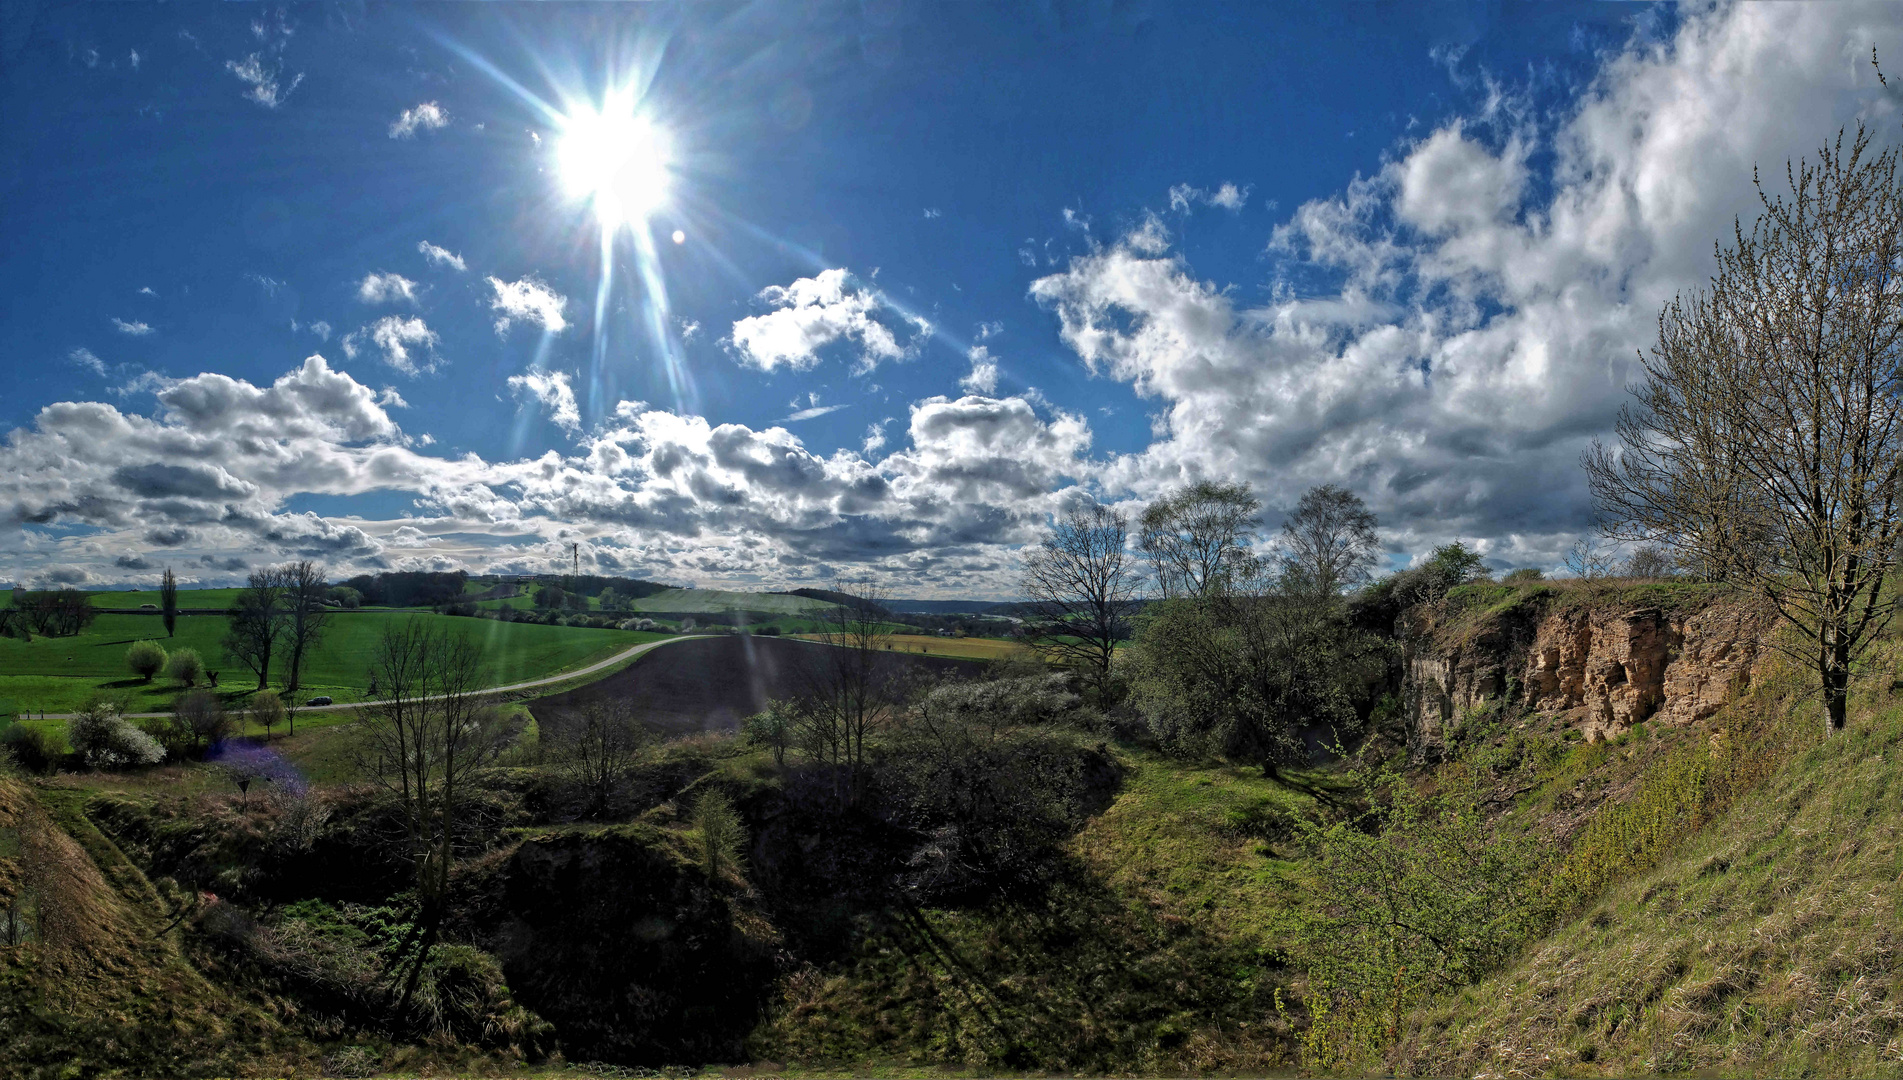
{"x": 382, "y": 288}
{"x": 527, "y": 300}
{"x": 1486, "y": 317}
{"x": 983, "y": 378}
{"x": 134, "y": 329}
{"x": 429, "y": 116}
{"x": 441, "y": 256}
{"x": 262, "y": 77}
{"x": 552, "y": 389}
{"x": 815, "y": 312}
{"x": 397, "y": 337}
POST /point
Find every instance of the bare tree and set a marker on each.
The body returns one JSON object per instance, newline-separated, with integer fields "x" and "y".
{"x": 304, "y": 592}
{"x": 257, "y": 623}
{"x": 1648, "y": 561}
{"x": 1080, "y": 583}
{"x": 1330, "y": 539}
{"x": 1587, "y": 560}
{"x": 850, "y": 687}
{"x": 1766, "y": 443}
{"x": 600, "y": 749}
{"x": 1195, "y": 538}
{"x": 168, "y": 602}
{"x": 422, "y": 745}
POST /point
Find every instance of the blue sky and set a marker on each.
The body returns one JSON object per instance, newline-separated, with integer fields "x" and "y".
{"x": 323, "y": 281}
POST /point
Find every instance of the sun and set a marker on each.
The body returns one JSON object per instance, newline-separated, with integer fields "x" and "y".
{"x": 617, "y": 159}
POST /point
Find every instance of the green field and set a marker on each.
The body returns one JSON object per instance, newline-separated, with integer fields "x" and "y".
{"x": 707, "y": 601}
{"x": 187, "y": 598}
{"x": 60, "y": 674}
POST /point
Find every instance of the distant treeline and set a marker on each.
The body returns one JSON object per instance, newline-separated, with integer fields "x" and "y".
{"x": 593, "y": 584}
{"x": 409, "y": 588}
{"x": 832, "y": 597}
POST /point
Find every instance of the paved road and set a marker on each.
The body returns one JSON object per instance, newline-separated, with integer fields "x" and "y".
{"x": 549, "y": 680}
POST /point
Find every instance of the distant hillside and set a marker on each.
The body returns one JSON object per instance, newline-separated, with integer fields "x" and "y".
{"x": 830, "y": 598}
{"x": 948, "y": 607}
{"x": 709, "y": 601}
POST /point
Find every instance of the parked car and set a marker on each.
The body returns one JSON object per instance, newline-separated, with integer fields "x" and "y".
{"x": 318, "y": 701}
{"x": 148, "y": 607}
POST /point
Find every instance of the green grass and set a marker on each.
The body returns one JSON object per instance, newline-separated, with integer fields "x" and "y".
{"x": 60, "y": 674}
{"x": 701, "y": 601}
{"x": 187, "y": 598}
{"x": 1766, "y": 943}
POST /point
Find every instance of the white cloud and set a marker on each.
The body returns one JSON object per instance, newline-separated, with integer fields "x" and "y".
{"x": 135, "y": 329}
{"x": 553, "y": 390}
{"x": 84, "y": 358}
{"x": 984, "y": 373}
{"x": 810, "y": 413}
{"x": 428, "y": 116}
{"x": 381, "y": 288}
{"x": 135, "y": 59}
{"x": 528, "y": 300}
{"x": 395, "y": 336}
{"x": 1227, "y": 196}
{"x": 321, "y": 329}
{"x": 441, "y": 256}
{"x": 933, "y": 212}
{"x": 690, "y": 329}
{"x": 146, "y": 290}
{"x": 815, "y": 312}
{"x": 1486, "y": 318}
{"x": 875, "y": 437}
{"x": 262, "y": 78}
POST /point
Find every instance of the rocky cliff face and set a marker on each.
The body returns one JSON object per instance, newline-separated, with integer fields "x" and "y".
{"x": 1605, "y": 663}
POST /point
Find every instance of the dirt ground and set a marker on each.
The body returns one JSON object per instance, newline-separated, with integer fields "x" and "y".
{"x": 712, "y": 684}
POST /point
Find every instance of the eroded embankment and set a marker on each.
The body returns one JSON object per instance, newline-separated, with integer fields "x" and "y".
{"x": 1604, "y": 659}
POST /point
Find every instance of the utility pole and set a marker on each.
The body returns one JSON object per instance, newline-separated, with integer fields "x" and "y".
{"x": 574, "y": 550}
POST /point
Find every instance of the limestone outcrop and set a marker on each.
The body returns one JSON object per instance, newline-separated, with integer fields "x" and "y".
{"x": 1602, "y": 661}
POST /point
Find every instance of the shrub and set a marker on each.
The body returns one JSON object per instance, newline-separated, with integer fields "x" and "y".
{"x": 105, "y": 740}
{"x": 28, "y": 747}
{"x": 146, "y": 659}
{"x": 722, "y": 836}
{"x": 1524, "y": 574}
{"x": 198, "y": 720}
{"x": 185, "y": 667}
{"x": 267, "y": 710}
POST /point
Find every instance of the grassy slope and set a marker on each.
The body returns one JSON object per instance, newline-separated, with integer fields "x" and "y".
{"x": 59, "y": 674}
{"x": 1158, "y": 954}
{"x": 1768, "y": 942}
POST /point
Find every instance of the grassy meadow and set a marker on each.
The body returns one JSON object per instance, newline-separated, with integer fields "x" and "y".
{"x": 60, "y": 674}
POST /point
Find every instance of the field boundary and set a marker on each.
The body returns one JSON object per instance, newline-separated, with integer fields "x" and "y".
{"x": 630, "y": 653}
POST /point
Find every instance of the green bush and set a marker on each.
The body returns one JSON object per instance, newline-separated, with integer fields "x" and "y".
{"x": 722, "y": 836}
{"x": 146, "y": 659}
{"x": 267, "y": 710}
{"x": 185, "y": 667}
{"x": 1417, "y": 895}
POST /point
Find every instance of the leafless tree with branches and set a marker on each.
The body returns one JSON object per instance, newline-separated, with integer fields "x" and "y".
{"x": 422, "y": 745}
{"x": 1766, "y": 443}
{"x": 1080, "y": 584}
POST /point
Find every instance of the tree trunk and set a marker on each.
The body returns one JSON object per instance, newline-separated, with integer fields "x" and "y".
{"x": 1835, "y": 670}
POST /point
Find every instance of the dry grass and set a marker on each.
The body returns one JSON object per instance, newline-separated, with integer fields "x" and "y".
{"x": 959, "y": 648}
{"x": 1767, "y": 944}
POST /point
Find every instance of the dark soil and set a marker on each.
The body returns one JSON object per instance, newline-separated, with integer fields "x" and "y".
{"x": 714, "y": 683}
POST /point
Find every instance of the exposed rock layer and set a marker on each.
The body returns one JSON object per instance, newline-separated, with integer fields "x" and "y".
{"x": 1606, "y": 664}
